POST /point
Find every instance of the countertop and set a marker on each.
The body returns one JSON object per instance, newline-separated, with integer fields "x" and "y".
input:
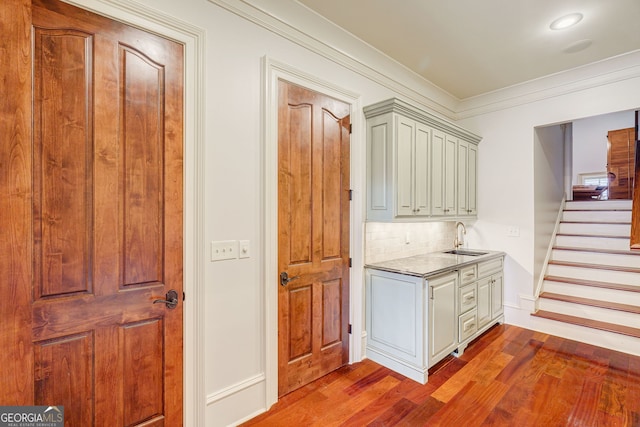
{"x": 432, "y": 263}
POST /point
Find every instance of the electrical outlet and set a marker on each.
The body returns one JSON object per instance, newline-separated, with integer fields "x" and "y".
{"x": 513, "y": 231}
{"x": 224, "y": 249}
{"x": 245, "y": 249}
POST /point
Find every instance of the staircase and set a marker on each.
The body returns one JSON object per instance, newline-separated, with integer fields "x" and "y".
{"x": 591, "y": 289}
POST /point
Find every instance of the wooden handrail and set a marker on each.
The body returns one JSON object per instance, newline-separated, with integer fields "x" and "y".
{"x": 635, "y": 210}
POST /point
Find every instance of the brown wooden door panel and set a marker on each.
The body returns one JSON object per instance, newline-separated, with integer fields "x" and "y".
{"x": 16, "y": 203}
{"x": 96, "y": 218}
{"x": 621, "y": 163}
{"x": 313, "y": 188}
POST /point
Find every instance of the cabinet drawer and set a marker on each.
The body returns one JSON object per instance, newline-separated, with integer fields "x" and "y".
{"x": 468, "y": 274}
{"x": 467, "y": 298}
{"x": 468, "y": 325}
{"x": 488, "y": 267}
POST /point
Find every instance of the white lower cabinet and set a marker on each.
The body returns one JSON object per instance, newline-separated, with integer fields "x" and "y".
{"x": 396, "y": 318}
{"x": 484, "y": 301}
{"x": 488, "y": 308}
{"x": 443, "y": 334}
{"x": 413, "y": 323}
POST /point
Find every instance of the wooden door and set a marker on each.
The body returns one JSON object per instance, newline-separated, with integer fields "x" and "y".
{"x": 621, "y": 163}
{"x": 102, "y": 238}
{"x": 313, "y": 229}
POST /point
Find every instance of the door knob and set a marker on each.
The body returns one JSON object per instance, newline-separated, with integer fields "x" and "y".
{"x": 171, "y": 299}
{"x": 285, "y": 279}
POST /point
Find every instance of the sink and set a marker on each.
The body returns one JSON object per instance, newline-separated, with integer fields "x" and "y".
{"x": 465, "y": 252}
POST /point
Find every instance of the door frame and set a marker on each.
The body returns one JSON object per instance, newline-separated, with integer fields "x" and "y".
{"x": 193, "y": 38}
{"x": 272, "y": 71}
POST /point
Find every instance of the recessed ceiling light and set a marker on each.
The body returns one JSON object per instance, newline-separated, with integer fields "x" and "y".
{"x": 566, "y": 21}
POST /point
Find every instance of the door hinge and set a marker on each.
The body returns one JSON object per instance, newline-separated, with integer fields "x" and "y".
{"x": 350, "y": 128}
{"x": 184, "y": 296}
{"x": 349, "y": 329}
{"x": 350, "y": 262}
{"x": 350, "y": 195}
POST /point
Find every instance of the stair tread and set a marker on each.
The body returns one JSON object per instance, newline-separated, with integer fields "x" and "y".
{"x": 598, "y": 210}
{"x": 596, "y": 250}
{"x": 594, "y": 283}
{"x": 593, "y": 235}
{"x": 596, "y": 222}
{"x": 592, "y": 302}
{"x": 589, "y": 323}
{"x": 596, "y": 266}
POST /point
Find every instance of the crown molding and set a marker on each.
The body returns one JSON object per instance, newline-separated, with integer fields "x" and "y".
{"x": 607, "y": 71}
{"x": 287, "y": 18}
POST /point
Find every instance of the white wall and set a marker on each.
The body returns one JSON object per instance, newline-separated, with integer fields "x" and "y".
{"x": 507, "y": 176}
{"x": 590, "y": 141}
{"x": 548, "y": 179}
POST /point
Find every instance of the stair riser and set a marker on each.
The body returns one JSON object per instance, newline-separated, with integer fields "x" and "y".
{"x": 596, "y": 258}
{"x": 592, "y": 292}
{"x": 593, "y": 313}
{"x": 593, "y": 242}
{"x": 597, "y": 337}
{"x": 622, "y": 230}
{"x": 597, "y": 216}
{"x": 622, "y": 277}
{"x": 599, "y": 205}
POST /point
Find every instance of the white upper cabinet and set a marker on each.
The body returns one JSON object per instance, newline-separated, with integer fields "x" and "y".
{"x": 467, "y": 179}
{"x": 414, "y": 169}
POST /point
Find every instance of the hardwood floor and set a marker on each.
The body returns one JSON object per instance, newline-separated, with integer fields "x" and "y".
{"x": 508, "y": 377}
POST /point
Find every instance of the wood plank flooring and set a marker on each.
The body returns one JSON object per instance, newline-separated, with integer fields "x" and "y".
{"x": 508, "y": 377}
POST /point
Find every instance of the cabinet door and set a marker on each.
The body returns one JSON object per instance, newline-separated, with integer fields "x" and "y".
{"x": 405, "y": 137}
{"x": 472, "y": 180}
{"x": 467, "y": 178}
{"x": 422, "y": 204}
{"x": 463, "y": 177}
{"x": 450, "y": 175}
{"x": 379, "y": 154}
{"x": 497, "y": 307}
{"x": 484, "y": 302}
{"x": 442, "y": 316}
{"x": 437, "y": 173}
{"x": 395, "y": 316}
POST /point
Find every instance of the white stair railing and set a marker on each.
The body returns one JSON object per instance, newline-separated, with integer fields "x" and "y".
{"x": 549, "y": 251}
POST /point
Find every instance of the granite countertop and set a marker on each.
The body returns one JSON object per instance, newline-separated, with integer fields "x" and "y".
{"x": 433, "y": 263}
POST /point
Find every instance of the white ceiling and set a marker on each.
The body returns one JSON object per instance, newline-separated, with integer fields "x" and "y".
{"x": 472, "y": 47}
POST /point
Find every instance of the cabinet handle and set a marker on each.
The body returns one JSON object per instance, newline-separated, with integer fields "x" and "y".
{"x": 468, "y": 326}
{"x": 469, "y": 297}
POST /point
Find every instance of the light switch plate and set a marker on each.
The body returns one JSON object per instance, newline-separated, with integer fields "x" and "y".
{"x": 224, "y": 249}
{"x": 513, "y": 231}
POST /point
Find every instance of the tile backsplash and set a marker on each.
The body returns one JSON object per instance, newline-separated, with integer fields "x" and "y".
{"x": 385, "y": 241}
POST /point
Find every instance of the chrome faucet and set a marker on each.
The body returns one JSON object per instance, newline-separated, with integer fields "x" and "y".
{"x": 459, "y": 242}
